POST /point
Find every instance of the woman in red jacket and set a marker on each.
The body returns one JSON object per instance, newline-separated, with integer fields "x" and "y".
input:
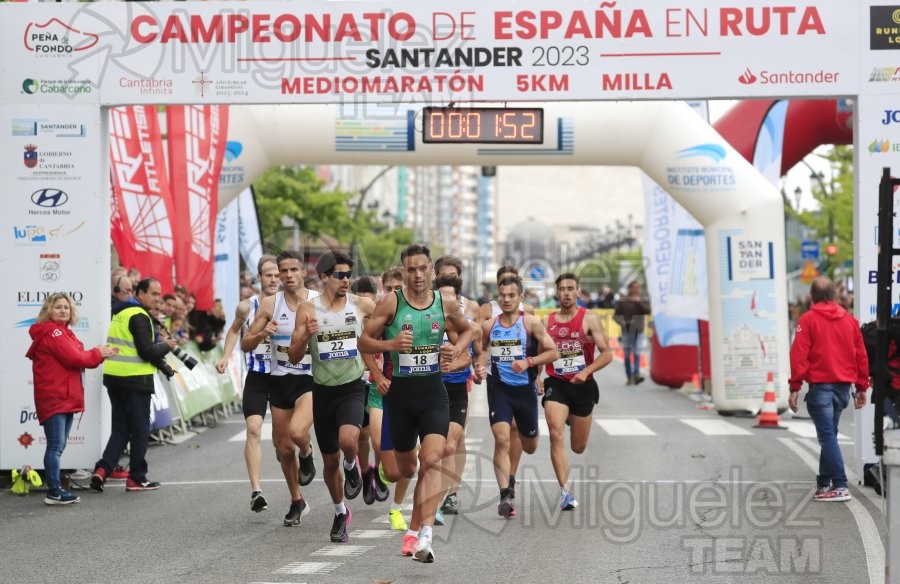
{"x": 58, "y": 360}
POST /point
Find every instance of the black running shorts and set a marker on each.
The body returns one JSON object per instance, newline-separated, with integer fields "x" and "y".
{"x": 336, "y": 406}
{"x": 419, "y": 406}
{"x": 285, "y": 390}
{"x": 256, "y": 394}
{"x": 459, "y": 402}
{"x": 579, "y": 398}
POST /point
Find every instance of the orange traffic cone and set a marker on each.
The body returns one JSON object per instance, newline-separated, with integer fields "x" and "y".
{"x": 695, "y": 381}
{"x": 643, "y": 362}
{"x": 768, "y": 415}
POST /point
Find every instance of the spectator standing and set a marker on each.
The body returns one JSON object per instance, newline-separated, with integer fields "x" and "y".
{"x": 58, "y": 360}
{"x": 128, "y": 377}
{"x": 631, "y": 314}
{"x": 829, "y": 354}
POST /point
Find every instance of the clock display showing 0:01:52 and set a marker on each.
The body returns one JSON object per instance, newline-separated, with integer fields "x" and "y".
{"x": 451, "y": 125}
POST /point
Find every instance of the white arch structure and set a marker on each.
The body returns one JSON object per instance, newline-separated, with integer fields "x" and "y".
{"x": 64, "y": 64}
{"x": 668, "y": 141}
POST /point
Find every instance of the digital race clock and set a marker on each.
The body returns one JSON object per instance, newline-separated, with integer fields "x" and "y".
{"x": 482, "y": 125}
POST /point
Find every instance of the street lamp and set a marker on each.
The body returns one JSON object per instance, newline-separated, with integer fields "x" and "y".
{"x": 362, "y": 197}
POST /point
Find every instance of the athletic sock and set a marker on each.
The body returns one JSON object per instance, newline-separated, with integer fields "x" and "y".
{"x": 349, "y": 465}
{"x": 412, "y": 533}
{"x": 340, "y": 508}
{"x": 504, "y": 493}
{"x": 395, "y": 507}
{"x": 425, "y": 531}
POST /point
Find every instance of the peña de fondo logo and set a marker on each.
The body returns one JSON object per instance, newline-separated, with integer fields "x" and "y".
{"x": 49, "y": 198}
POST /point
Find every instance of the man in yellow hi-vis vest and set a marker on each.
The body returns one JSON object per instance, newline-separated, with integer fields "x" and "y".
{"x": 128, "y": 377}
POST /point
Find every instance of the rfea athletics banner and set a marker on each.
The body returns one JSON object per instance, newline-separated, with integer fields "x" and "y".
{"x": 196, "y": 137}
{"x": 142, "y": 207}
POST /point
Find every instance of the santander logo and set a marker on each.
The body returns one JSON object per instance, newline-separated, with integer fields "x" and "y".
{"x": 747, "y": 77}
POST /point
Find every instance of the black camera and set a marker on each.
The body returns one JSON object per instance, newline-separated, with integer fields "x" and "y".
{"x": 183, "y": 356}
{"x": 165, "y": 368}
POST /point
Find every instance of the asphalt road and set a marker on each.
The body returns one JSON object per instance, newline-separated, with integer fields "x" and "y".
{"x": 667, "y": 491}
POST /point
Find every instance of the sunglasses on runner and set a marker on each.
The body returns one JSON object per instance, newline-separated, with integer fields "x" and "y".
{"x": 341, "y": 275}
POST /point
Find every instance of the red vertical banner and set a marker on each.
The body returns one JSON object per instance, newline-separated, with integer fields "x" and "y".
{"x": 196, "y": 135}
{"x": 142, "y": 202}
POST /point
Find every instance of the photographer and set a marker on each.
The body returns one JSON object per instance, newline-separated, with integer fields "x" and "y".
{"x": 128, "y": 377}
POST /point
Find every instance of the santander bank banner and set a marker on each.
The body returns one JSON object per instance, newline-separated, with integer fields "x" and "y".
{"x": 318, "y": 51}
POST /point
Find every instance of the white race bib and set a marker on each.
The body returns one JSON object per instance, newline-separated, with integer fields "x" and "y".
{"x": 422, "y": 359}
{"x": 569, "y": 362}
{"x": 507, "y": 350}
{"x": 304, "y": 366}
{"x": 338, "y": 345}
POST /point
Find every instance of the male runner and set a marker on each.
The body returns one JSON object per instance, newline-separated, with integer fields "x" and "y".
{"x": 570, "y": 390}
{"x": 457, "y": 382}
{"x": 290, "y": 385}
{"x": 518, "y": 344}
{"x": 255, "y": 398}
{"x": 328, "y": 328}
{"x": 379, "y": 420}
{"x": 372, "y": 490}
{"x": 412, "y": 321}
{"x": 488, "y": 312}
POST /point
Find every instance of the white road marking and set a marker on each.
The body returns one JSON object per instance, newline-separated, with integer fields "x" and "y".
{"x": 343, "y": 550}
{"x": 805, "y": 429}
{"x": 625, "y": 427}
{"x": 714, "y": 427}
{"x": 874, "y": 548}
{"x": 371, "y": 533}
{"x": 543, "y": 428}
{"x": 309, "y": 568}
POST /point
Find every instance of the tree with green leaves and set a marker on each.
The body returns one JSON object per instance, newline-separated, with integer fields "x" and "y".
{"x": 296, "y": 193}
{"x": 832, "y": 222}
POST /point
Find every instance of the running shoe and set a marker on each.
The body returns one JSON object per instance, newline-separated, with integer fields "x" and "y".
{"x": 368, "y": 485}
{"x": 144, "y": 485}
{"x": 339, "y": 527}
{"x": 505, "y": 508}
{"x": 424, "y": 553}
{"x": 834, "y": 495}
{"x": 258, "y": 502}
{"x": 98, "y": 479}
{"x": 438, "y": 517}
{"x": 382, "y": 476}
{"x": 450, "y": 505}
{"x": 382, "y": 492}
{"x": 568, "y": 502}
{"x": 60, "y": 497}
{"x": 353, "y": 483}
{"x": 119, "y": 472}
{"x": 397, "y": 521}
{"x": 409, "y": 545}
{"x": 307, "y": 468}
{"x": 296, "y": 513}
{"x": 821, "y": 490}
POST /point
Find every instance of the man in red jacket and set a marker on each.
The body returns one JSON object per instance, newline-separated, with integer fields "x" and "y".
{"x": 829, "y": 354}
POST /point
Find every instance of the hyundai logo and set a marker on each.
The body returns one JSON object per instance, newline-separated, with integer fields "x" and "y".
{"x": 49, "y": 198}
